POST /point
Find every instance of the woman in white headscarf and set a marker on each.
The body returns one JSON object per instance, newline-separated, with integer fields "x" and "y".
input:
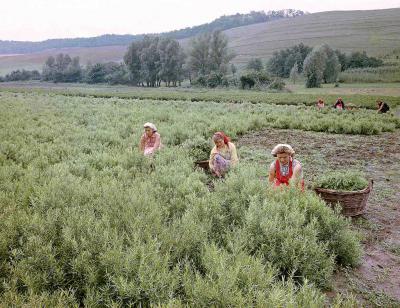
{"x": 285, "y": 168}
{"x": 150, "y": 140}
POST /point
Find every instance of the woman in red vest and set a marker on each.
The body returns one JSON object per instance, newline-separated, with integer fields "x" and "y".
{"x": 285, "y": 169}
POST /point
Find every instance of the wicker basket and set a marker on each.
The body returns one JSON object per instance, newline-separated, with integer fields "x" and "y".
{"x": 203, "y": 164}
{"x": 353, "y": 203}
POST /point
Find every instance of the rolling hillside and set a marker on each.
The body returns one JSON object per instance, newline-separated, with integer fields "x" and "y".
{"x": 377, "y": 32}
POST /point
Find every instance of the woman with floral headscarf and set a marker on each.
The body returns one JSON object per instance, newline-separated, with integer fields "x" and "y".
{"x": 285, "y": 168}
{"x": 223, "y": 156}
{"x": 150, "y": 140}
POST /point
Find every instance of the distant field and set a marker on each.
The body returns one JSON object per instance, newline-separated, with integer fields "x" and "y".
{"x": 377, "y": 32}
{"x": 363, "y": 95}
{"x": 374, "y": 89}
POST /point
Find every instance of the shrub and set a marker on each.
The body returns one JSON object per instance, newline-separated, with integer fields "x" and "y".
{"x": 199, "y": 148}
{"x": 254, "y": 79}
{"x": 277, "y": 84}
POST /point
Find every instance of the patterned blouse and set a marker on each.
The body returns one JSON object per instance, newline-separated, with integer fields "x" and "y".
{"x": 150, "y": 144}
{"x": 285, "y": 168}
{"x": 228, "y": 152}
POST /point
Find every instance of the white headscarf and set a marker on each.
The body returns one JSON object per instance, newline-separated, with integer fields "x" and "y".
{"x": 282, "y": 148}
{"x": 150, "y": 125}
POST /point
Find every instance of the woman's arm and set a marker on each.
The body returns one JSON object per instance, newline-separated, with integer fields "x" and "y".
{"x": 157, "y": 142}
{"x": 271, "y": 176}
{"x": 234, "y": 156}
{"x": 212, "y": 155}
{"x": 142, "y": 143}
{"x": 297, "y": 171}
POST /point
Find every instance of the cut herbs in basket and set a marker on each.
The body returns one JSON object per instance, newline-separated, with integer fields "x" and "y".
{"x": 343, "y": 180}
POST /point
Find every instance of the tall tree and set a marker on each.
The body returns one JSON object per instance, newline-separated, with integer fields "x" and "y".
{"x": 133, "y": 61}
{"x": 314, "y": 67}
{"x": 332, "y": 68}
{"x": 220, "y": 55}
{"x": 294, "y": 73}
{"x": 210, "y": 54}
{"x": 199, "y": 60}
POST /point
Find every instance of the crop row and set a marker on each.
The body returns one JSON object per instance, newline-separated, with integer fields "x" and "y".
{"x": 202, "y": 95}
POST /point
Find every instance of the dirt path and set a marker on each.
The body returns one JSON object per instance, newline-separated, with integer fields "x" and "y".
{"x": 376, "y": 282}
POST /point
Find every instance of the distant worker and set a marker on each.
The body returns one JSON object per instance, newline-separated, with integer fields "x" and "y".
{"x": 285, "y": 169}
{"x": 223, "y": 156}
{"x": 150, "y": 141}
{"x": 382, "y": 106}
{"x": 320, "y": 103}
{"x": 339, "y": 104}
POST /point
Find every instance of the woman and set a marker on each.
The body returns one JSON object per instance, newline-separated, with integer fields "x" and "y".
{"x": 339, "y": 104}
{"x": 150, "y": 140}
{"x": 320, "y": 103}
{"x": 382, "y": 106}
{"x": 223, "y": 156}
{"x": 285, "y": 168}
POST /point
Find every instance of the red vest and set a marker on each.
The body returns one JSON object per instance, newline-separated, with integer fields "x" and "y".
{"x": 282, "y": 179}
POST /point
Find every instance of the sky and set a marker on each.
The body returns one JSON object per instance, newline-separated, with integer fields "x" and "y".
{"x": 36, "y": 20}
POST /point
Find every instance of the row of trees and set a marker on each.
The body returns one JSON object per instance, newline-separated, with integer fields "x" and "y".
{"x": 62, "y": 68}
{"x": 153, "y": 60}
{"x": 150, "y": 62}
{"x": 283, "y": 61}
{"x": 21, "y": 75}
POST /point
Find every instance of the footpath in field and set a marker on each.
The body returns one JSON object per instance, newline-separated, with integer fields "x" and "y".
{"x": 376, "y": 282}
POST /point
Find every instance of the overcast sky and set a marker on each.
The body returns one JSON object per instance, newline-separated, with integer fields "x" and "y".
{"x": 36, "y": 20}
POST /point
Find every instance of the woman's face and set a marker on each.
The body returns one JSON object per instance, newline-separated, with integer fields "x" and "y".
{"x": 219, "y": 142}
{"x": 283, "y": 158}
{"x": 148, "y": 131}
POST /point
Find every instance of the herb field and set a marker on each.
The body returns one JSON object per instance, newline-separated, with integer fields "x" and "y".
{"x": 300, "y": 96}
{"x": 85, "y": 219}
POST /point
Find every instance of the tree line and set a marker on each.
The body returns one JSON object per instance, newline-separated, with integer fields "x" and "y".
{"x": 318, "y": 64}
{"x": 207, "y": 62}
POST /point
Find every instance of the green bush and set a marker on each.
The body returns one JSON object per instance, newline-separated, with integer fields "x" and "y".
{"x": 253, "y": 79}
{"x": 347, "y": 180}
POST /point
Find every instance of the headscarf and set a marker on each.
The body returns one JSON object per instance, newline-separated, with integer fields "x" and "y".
{"x": 221, "y": 135}
{"x": 282, "y": 148}
{"x": 150, "y": 125}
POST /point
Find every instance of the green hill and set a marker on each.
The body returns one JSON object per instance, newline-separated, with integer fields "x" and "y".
{"x": 377, "y": 32}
